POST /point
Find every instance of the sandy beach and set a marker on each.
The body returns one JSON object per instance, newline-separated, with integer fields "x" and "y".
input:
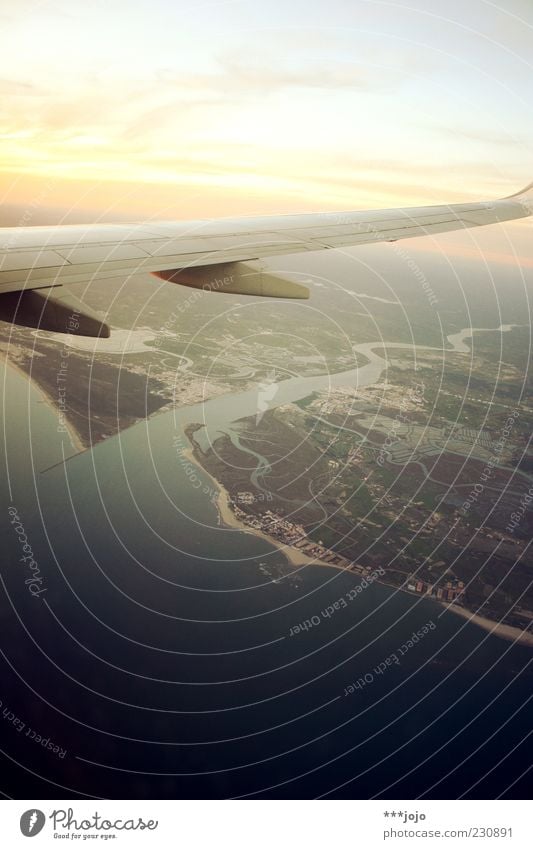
{"x": 298, "y": 558}
{"x": 293, "y": 555}
{"x": 498, "y": 629}
{"x": 228, "y": 518}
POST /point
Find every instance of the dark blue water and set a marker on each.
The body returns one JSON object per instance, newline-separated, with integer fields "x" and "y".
{"x": 157, "y": 659}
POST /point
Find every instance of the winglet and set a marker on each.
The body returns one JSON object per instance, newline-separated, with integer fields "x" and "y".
{"x": 525, "y": 198}
{"x": 525, "y": 193}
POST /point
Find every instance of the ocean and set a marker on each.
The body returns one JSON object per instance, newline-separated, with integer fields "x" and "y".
{"x": 157, "y": 657}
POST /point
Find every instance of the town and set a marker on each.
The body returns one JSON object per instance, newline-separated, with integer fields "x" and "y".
{"x": 289, "y": 534}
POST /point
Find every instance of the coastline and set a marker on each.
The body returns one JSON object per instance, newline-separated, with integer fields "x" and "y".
{"x": 497, "y": 629}
{"x": 293, "y": 555}
{"x": 297, "y": 558}
{"x": 73, "y": 435}
{"x": 227, "y": 517}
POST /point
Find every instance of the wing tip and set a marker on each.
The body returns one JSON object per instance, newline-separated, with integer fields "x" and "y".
{"x": 523, "y": 194}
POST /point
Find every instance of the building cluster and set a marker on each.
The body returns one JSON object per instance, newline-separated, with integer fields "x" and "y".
{"x": 289, "y": 533}
{"x": 268, "y": 522}
{"x": 450, "y": 591}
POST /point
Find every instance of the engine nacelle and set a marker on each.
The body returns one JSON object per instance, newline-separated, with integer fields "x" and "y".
{"x": 236, "y": 278}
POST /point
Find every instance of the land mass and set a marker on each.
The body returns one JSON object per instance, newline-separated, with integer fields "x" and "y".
{"x": 385, "y": 477}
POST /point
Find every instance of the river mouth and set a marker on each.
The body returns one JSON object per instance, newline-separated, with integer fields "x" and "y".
{"x": 218, "y": 414}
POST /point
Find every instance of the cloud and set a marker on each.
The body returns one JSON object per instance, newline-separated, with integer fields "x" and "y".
{"x": 16, "y": 87}
{"x": 266, "y": 74}
{"x": 486, "y": 136}
{"x": 245, "y": 77}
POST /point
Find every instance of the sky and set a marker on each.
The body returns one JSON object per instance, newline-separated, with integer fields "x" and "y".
{"x": 206, "y": 109}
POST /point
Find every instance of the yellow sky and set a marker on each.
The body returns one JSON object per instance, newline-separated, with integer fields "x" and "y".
{"x": 242, "y": 108}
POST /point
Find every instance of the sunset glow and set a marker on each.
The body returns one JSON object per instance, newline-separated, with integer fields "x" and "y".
{"x": 223, "y": 109}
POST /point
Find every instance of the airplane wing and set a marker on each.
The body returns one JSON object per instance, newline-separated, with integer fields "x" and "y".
{"x": 225, "y": 255}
